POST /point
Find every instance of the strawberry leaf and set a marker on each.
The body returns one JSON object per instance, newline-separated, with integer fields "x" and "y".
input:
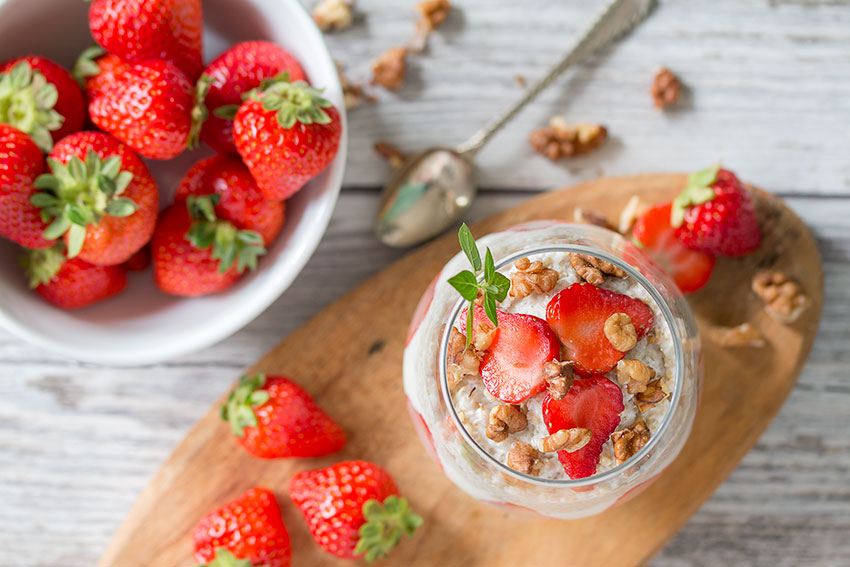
{"x": 385, "y": 524}
{"x": 224, "y": 558}
{"x": 239, "y": 408}
{"x": 697, "y": 192}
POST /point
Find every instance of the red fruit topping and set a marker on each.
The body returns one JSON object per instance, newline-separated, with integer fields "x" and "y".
{"x": 593, "y": 403}
{"x": 689, "y": 268}
{"x": 578, "y": 314}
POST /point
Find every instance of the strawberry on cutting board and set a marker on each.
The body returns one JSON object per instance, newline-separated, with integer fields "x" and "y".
{"x": 689, "y": 268}
{"x": 244, "y": 532}
{"x": 96, "y": 70}
{"x": 593, "y": 403}
{"x": 273, "y": 417}
{"x": 715, "y": 214}
{"x": 578, "y": 314}
{"x": 353, "y": 509}
{"x": 21, "y": 162}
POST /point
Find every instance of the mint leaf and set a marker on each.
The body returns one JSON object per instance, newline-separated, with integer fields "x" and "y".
{"x": 489, "y": 266}
{"x": 503, "y": 284}
{"x": 467, "y": 244}
{"x": 490, "y": 308}
{"x": 466, "y": 284}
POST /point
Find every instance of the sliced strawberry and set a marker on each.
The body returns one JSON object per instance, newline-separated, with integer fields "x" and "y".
{"x": 512, "y": 367}
{"x": 578, "y": 314}
{"x": 594, "y": 403}
{"x": 689, "y": 268}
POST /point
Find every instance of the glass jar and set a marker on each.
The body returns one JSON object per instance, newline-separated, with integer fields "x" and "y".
{"x": 466, "y": 462}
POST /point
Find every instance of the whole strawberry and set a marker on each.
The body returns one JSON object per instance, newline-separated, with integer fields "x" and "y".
{"x": 715, "y": 214}
{"x": 21, "y": 162}
{"x": 149, "y": 109}
{"x": 352, "y": 509}
{"x": 96, "y": 70}
{"x": 232, "y": 74}
{"x": 196, "y": 253}
{"x": 40, "y": 98}
{"x": 144, "y": 30}
{"x": 240, "y": 201}
{"x": 273, "y": 417}
{"x": 71, "y": 284}
{"x": 99, "y": 196}
{"x": 287, "y": 134}
{"x": 249, "y": 528}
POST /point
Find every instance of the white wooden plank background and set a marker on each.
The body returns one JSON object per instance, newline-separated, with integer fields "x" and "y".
{"x": 770, "y": 96}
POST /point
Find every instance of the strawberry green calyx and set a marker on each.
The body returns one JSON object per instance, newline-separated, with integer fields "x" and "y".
{"x": 225, "y": 558}
{"x": 385, "y": 524}
{"x": 27, "y": 101}
{"x": 86, "y": 66}
{"x": 80, "y": 193}
{"x": 41, "y": 265}
{"x": 293, "y": 102}
{"x": 239, "y": 409}
{"x": 228, "y": 243}
{"x": 697, "y": 192}
{"x": 199, "y": 112}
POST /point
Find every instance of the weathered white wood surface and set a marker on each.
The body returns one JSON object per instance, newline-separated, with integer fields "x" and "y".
{"x": 770, "y": 96}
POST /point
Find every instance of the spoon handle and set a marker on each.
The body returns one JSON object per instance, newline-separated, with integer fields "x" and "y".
{"x": 618, "y": 18}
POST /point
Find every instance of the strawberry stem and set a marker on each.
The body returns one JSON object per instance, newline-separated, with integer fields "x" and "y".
{"x": 199, "y": 112}
{"x": 293, "y": 102}
{"x": 86, "y": 66}
{"x": 239, "y": 409}
{"x": 41, "y": 265}
{"x": 225, "y": 558}
{"x": 27, "y": 101}
{"x": 229, "y": 244}
{"x": 385, "y": 524}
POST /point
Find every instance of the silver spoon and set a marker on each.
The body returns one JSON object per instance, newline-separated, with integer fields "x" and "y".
{"x": 431, "y": 190}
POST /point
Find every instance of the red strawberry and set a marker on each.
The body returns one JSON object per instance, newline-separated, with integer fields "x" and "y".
{"x": 41, "y": 98}
{"x": 690, "y": 269}
{"x": 241, "y": 202}
{"x": 715, "y": 214}
{"x": 512, "y": 366}
{"x": 196, "y": 253}
{"x": 139, "y": 261}
{"x": 149, "y": 109}
{"x": 21, "y": 163}
{"x": 232, "y": 74}
{"x": 286, "y": 134}
{"x": 578, "y": 313}
{"x": 352, "y": 508}
{"x": 274, "y": 418}
{"x": 71, "y": 284}
{"x": 249, "y": 527}
{"x": 96, "y": 70}
{"x": 100, "y": 196}
{"x": 144, "y": 30}
{"x": 593, "y": 403}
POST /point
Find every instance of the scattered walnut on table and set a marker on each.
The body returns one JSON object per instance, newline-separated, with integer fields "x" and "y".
{"x": 560, "y": 139}
{"x": 333, "y": 14}
{"x": 586, "y": 216}
{"x": 524, "y": 458}
{"x": 653, "y": 394}
{"x": 666, "y": 88}
{"x": 743, "y": 335}
{"x": 593, "y": 270}
{"x": 630, "y": 440}
{"x": 621, "y": 332}
{"x": 519, "y": 80}
{"x": 569, "y": 440}
{"x": 532, "y": 277}
{"x": 388, "y": 68}
{"x": 631, "y": 213}
{"x": 434, "y": 13}
{"x": 352, "y": 93}
{"x": 559, "y": 377}
{"x": 784, "y": 298}
{"x": 462, "y": 362}
{"x": 504, "y": 420}
{"x": 634, "y": 375}
{"x": 389, "y": 152}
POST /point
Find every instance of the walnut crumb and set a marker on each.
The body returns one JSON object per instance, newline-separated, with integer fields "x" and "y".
{"x": 593, "y": 270}
{"x": 532, "y": 277}
{"x": 333, "y": 14}
{"x": 560, "y": 139}
{"x": 524, "y": 458}
{"x": 743, "y": 335}
{"x": 505, "y": 419}
{"x": 434, "y": 12}
{"x": 388, "y": 68}
{"x": 569, "y": 440}
{"x": 630, "y": 440}
{"x": 462, "y": 362}
{"x": 666, "y": 88}
{"x": 389, "y": 152}
{"x": 586, "y": 216}
{"x": 631, "y": 213}
{"x": 559, "y": 377}
{"x": 620, "y": 331}
{"x": 519, "y": 80}
{"x": 784, "y": 298}
{"x": 653, "y": 394}
{"x": 634, "y": 375}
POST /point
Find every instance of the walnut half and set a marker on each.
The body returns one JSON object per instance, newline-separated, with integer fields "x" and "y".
{"x": 569, "y": 440}
{"x": 559, "y": 377}
{"x": 524, "y": 458}
{"x": 593, "y": 270}
{"x": 560, "y": 139}
{"x": 532, "y": 277}
{"x": 630, "y": 440}
{"x": 621, "y": 332}
{"x": 634, "y": 375}
{"x": 333, "y": 14}
{"x": 666, "y": 88}
{"x": 504, "y": 420}
{"x": 784, "y": 298}
{"x": 388, "y": 69}
{"x": 653, "y": 394}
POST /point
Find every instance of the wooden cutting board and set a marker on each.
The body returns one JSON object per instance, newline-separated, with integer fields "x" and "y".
{"x": 350, "y": 358}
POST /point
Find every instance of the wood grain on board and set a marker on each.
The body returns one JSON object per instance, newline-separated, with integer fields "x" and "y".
{"x": 349, "y": 358}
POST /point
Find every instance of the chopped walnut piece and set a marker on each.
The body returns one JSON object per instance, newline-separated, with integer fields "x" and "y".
{"x": 559, "y": 377}
{"x": 630, "y": 440}
{"x": 631, "y": 213}
{"x": 434, "y": 12}
{"x": 783, "y": 296}
{"x": 652, "y": 395}
{"x": 505, "y": 419}
{"x": 560, "y": 139}
{"x": 569, "y": 440}
{"x": 532, "y": 277}
{"x": 389, "y": 152}
{"x": 634, "y": 375}
{"x": 462, "y": 362}
{"x": 483, "y": 337}
{"x": 333, "y": 14}
{"x": 620, "y": 331}
{"x": 593, "y": 270}
{"x": 524, "y": 458}
{"x": 388, "y": 68}
{"x": 666, "y": 88}
{"x": 742, "y": 335}
{"x": 586, "y": 216}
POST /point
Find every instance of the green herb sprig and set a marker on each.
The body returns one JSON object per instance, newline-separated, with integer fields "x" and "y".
{"x": 494, "y": 286}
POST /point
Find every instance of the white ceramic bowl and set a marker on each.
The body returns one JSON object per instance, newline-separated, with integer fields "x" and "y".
{"x": 143, "y": 325}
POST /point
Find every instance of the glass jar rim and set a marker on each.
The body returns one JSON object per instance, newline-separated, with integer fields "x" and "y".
{"x": 635, "y": 460}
